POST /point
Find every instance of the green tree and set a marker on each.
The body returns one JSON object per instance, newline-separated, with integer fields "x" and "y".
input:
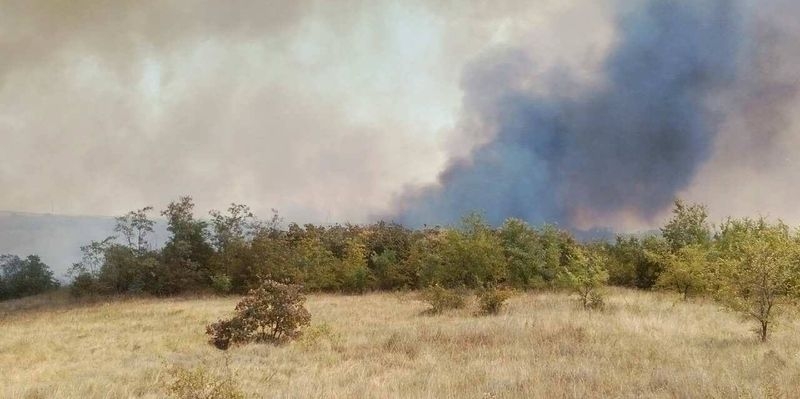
{"x": 636, "y": 262}
{"x": 388, "y": 246}
{"x": 269, "y": 257}
{"x": 316, "y": 264}
{"x": 586, "y": 275}
{"x": 758, "y": 271}
{"x": 232, "y": 235}
{"x": 525, "y": 254}
{"x": 24, "y": 277}
{"x": 129, "y": 267}
{"x": 186, "y": 255}
{"x": 234, "y": 228}
{"x": 688, "y": 226}
{"x": 472, "y": 255}
{"x": 557, "y": 246}
{"x": 134, "y": 228}
{"x": 86, "y": 273}
{"x": 686, "y": 270}
{"x": 354, "y": 275}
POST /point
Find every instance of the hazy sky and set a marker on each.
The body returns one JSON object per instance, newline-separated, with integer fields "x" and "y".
{"x": 324, "y": 110}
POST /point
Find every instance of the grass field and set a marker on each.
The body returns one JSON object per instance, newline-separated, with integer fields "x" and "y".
{"x": 380, "y": 345}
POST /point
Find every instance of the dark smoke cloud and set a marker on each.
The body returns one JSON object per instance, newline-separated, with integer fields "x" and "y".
{"x": 558, "y": 150}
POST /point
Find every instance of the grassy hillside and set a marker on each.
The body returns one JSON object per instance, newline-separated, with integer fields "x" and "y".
{"x": 643, "y": 345}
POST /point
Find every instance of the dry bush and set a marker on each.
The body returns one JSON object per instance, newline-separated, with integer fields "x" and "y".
{"x": 441, "y": 299}
{"x": 273, "y": 312}
{"x": 198, "y": 383}
{"x": 491, "y": 300}
{"x": 594, "y": 301}
{"x": 319, "y": 336}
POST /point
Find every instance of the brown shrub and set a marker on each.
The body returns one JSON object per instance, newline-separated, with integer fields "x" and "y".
{"x": 273, "y": 313}
{"x": 491, "y": 300}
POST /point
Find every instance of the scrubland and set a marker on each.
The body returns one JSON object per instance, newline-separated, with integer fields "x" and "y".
{"x": 643, "y": 344}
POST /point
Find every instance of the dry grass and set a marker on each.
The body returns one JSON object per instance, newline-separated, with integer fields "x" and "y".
{"x": 379, "y": 346}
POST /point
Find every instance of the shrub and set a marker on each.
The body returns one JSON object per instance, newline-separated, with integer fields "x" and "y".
{"x": 586, "y": 276}
{"x": 595, "y": 301}
{"x": 198, "y": 383}
{"x": 318, "y": 335}
{"x": 273, "y": 313}
{"x": 491, "y": 300}
{"x": 686, "y": 270}
{"x": 84, "y": 284}
{"x": 221, "y": 283}
{"x": 442, "y": 299}
{"x": 757, "y": 273}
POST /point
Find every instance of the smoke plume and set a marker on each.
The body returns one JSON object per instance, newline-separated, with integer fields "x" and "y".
{"x": 560, "y": 148}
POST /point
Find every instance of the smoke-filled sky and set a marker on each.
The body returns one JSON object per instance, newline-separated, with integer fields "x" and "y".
{"x": 589, "y": 113}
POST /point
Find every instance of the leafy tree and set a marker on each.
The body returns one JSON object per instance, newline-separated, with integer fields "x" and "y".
{"x": 758, "y": 270}
{"x": 393, "y": 273}
{"x": 316, "y": 264}
{"x": 625, "y": 253}
{"x": 127, "y": 270}
{"x": 234, "y": 228}
{"x": 268, "y": 257}
{"x": 388, "y": 246}
{"x": 186, "y": 256}
{"x": 635, "y": 262}
{"x": 586, "y": 275}
{"x": 425, "y": 263}
{"x": 130, "y": 267}
{"x": 232, "y": 234}
{"x": 525, "y": 254}
{"x": 686, "y": 270}
{"x": 93, "y": 256}
{"x": 134, "y": 228}
{"x": 472, "y": 256}
{"x": 354, "y": 275}
{"x": 688, "y": 226}
{"x": 24, "y": 277}
{"x": 86, "y": 273}
{"x": 557, "y": 245}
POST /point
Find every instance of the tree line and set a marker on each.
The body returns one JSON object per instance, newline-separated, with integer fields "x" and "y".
{"x": 748, "y": 265}
{"x": 234, "y": 252}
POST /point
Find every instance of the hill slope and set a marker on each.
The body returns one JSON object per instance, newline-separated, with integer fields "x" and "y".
{"x": 644, "y": 345}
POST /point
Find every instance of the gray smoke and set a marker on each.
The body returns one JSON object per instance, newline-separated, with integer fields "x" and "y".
{"x": 561, "y": 151}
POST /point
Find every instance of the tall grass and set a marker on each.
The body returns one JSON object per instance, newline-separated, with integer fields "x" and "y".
{"x": 541, "y": 345}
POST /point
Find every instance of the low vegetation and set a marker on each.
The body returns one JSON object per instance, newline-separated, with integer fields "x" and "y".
{"x": 199, "y": 383}
{"x": 378, "y": 345}
{"x": 272, "y": 313}
{"x": 646, "y": 341}
{"x": 440, "y": 299}
{"x": 24, "y": 277}
{"x": 492, "y": 300}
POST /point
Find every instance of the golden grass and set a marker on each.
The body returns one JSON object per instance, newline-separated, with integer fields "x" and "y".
{"x": 380, "y": 346}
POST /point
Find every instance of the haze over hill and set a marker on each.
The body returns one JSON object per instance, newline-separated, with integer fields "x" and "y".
{"x": 56, "y": 238}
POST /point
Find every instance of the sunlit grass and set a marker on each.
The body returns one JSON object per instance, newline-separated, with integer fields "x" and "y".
{"x": 381, "y": 345}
